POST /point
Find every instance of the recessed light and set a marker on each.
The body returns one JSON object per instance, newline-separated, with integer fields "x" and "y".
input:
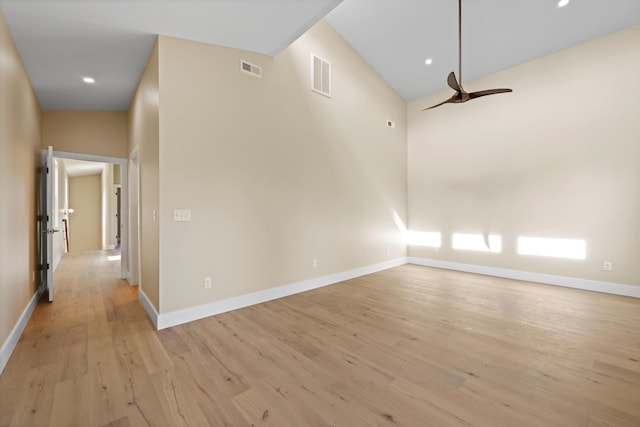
{"x": 88, "y": 80}
{"x": 563, "y": 3}
{"x": 429, "y": 61}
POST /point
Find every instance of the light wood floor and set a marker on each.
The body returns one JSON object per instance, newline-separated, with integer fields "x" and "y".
{"x": 411, "y": 346}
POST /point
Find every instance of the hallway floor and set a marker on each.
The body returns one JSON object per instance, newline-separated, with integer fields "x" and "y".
{"x": 48, "y": 380}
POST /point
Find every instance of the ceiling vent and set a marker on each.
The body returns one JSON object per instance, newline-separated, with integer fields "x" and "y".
{"x": 250, "y": 68}
{"x": 320, "y": 76}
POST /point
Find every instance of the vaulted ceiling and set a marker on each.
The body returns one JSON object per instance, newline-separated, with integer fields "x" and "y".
{"x": 63, "y": 41}
{"x": 397, "y": 36}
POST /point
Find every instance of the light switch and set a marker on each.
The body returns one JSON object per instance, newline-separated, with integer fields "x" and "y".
{"x": 181, "y": 215}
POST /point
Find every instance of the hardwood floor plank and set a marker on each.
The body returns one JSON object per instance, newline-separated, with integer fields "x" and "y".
{"x": 152, "y": 354}
{"x": 177, "y": 401}
{"x": 120, "y": 422}
{"x": 105, "y": 383}
{"x": 33, "y": 403}
{"x": 74, "y": 351}
{"x": 171, "y": 341}
{"x": 255, "y": 410}
{"x": 71, "y": 402}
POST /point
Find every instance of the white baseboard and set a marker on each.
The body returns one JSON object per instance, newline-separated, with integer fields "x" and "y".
{"x": 178, "y": 317}
{"x": 548, "y": 279}
{"x": 167, "y": 320}
{"x": 151, "y": 311}
{"x": 12, "y": 340}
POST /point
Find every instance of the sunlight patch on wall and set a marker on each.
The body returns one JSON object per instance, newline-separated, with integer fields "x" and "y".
{"x": 398, "y": 221}
{"x": 557, "y": 248}
{"x": 477, "y": 242}
{"x": 420, "y": 238}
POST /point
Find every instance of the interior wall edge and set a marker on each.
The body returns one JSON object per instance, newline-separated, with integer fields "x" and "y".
{"x": 148, "y": 306}
{"x": 130, "y": 280}
{"x": 526, "y": 276}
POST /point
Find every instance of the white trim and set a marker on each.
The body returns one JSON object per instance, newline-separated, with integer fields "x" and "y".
{"x": 179, "y": 317}
{"x": 548, "y": 279}
{"x": 13, "y": 338}
{"x": 89, "y": 157}
{"x": 149, "y": 308}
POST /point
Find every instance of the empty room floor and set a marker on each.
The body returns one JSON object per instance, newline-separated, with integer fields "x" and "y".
{"x": 410, "y": 346}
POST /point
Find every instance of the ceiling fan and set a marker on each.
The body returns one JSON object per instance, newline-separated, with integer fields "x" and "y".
{"x": 462, "y": 95}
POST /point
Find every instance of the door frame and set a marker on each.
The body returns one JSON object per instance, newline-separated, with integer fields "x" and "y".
{"x": 124, "y": 195}
{"x": 116, "y": 192}
{"x": 47, "y": 224}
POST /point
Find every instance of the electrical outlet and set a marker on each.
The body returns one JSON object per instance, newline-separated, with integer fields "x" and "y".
{"x": 208, "y": 283}
{"x": 315, "y": 263}
{"x": 607, "y": 266}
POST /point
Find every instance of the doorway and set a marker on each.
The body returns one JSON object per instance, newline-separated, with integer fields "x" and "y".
{"x": 117, "y": 227}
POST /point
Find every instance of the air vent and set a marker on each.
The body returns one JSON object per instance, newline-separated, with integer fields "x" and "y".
{"x": 250, "y": 68}
{"x": 320, "y": 76}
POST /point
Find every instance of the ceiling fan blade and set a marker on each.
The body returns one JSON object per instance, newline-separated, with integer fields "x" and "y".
{"x": 453, "y": 83}
{"x": 437, "y": 105}
{"x": 480, "y": 93}
{"x": 453, "y": 99}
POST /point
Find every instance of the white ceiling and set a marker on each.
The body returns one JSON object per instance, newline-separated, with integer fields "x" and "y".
{"x": 62, "y": 41}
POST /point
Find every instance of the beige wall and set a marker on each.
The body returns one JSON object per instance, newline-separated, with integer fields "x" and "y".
{"x": 275, "y": 175}
{"x": 143, "y": 144}
{"x": 19, "y": 161}
{"x": 85, "y": 224}
{"x": 99, "y": 133}
{"x": 556, "y": 158}
{"x": 116, "y": 172}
